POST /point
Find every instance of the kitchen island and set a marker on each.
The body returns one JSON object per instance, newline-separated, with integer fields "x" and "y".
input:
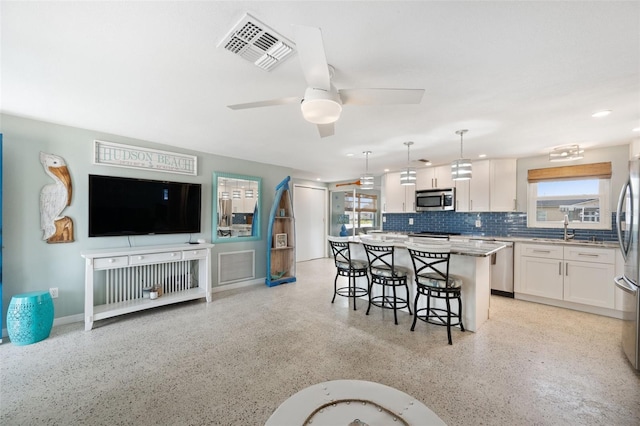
{"x": 470, "y": 260}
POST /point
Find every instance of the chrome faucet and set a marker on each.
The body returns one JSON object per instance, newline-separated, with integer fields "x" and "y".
{"x": 566, "y": 224}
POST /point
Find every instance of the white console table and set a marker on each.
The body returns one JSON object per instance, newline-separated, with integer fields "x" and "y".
{"x": 127, "y": 295}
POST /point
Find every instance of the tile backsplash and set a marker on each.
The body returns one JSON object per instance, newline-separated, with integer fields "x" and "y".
{"x": 498, "y": 224}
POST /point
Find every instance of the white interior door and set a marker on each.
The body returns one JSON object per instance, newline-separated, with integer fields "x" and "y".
{"x": 310, "y": 209}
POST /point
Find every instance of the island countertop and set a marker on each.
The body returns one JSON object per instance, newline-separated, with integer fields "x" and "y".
{"x": 475, "y": 248}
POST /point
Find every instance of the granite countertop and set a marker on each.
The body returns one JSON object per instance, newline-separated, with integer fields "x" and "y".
{"x": 476, "y": 248}
{"x": 573, "y": 242}
{"x": 587, "y": 243}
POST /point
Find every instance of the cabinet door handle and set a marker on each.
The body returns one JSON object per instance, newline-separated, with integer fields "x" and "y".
{"x": 515, "y": 204}
{"x": 541, "y": 251}
{"x": 559, "y": 268}
{"x": 566, "y": 269}
{"x": 588, "y": 254}
{"x": 471, "y": 205}
{"x": 436, "y": 179}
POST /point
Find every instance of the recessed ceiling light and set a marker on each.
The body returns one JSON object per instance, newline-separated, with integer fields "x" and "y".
{"x": 386, "y": 170}
{"x": 482, "y": 155}
{"x": 601, "y": 114}
{"x": 318, "y": 179}
{"x": 350, "y": 154}
{"x": 637, "y": 129}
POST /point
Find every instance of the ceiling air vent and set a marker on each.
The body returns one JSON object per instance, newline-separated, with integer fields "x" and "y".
{"x": 257, "y": 43}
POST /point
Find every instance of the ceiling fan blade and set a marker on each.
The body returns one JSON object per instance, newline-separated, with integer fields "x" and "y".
{"x": 380, "y": 96}
{"x": 326, "y": 130}
{"x": 312, "y": 57}
{"x": 270, "y": 102}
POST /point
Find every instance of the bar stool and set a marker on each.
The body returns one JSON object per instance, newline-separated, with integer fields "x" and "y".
{"x": 431, "y": 269}
{"x": 385, "y": 272}
{"x": 347, "y": 267}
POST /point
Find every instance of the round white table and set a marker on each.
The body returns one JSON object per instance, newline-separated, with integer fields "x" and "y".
{"x": 352, "y": 402}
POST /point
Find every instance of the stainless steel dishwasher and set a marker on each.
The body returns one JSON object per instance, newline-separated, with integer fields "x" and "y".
{"x": 502, "y": 270}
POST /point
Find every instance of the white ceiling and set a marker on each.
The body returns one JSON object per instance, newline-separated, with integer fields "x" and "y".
{"x": 523, "y": 77}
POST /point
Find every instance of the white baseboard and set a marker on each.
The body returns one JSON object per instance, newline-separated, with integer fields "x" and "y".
{"x": 234, "y": 286}
{"x": 80, "y": 317}
{"x": 56, "y": 322}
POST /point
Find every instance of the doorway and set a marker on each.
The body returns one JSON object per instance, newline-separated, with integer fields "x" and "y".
{"x": 310, "y": 207}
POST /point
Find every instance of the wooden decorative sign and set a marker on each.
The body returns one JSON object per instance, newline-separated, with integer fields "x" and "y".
{"x": 118, "y": 155}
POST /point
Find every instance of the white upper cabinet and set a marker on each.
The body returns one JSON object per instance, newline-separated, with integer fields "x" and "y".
{"x": 491, "y": 189}
{"x": 503, "y": 185}
{"x": 397, "y": 198}
{"x": 438, "y": 177}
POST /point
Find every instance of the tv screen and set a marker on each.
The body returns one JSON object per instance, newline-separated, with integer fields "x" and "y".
{"x": 125, "y": 206}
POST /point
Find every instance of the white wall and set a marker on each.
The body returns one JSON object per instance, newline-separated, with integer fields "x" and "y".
{"x": 30, "y": 264}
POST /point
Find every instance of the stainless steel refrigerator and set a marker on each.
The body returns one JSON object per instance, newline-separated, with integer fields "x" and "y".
{"x": 627, "y": 221}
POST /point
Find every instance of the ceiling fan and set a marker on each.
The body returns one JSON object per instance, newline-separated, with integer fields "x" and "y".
{"x": 322, "y": 102}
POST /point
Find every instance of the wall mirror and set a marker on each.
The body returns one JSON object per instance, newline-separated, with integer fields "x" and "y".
{"x": 236, "y": 207}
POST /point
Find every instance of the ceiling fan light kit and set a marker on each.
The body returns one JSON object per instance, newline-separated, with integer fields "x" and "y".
{"x": 321, "y": 106}
{"x": 461, "y": 168}
{"x": 366, "y": 180}
{"x": 322, "y": 103}
{"x": 566, "y": 153}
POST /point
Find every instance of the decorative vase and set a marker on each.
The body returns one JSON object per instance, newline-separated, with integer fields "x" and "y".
{"x": 343, "y": 231}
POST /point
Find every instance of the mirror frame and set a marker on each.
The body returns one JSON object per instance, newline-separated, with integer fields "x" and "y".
{"x": 214, "y": 211}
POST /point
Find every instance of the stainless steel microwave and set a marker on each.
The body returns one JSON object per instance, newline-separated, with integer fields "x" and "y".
{"x": 435, "y": 199}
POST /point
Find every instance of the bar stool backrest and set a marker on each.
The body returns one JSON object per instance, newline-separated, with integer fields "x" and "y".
{"x": 341, "y": 250}
{"x": 381, "y": 256}
{"x": 430, "y": 259}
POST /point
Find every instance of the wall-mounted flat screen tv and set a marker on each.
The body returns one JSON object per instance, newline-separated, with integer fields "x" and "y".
{"x": 125, "y": 206}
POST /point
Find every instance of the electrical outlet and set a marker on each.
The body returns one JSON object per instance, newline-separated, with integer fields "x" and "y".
{"x": 384, "y": 219}
{"x": 410, "y": 221}
{"x": 53, "y": 292}
{"x": 478, "y": 223}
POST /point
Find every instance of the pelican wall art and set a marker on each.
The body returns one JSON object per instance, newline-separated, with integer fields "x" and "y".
{"x": 54, "y": 198}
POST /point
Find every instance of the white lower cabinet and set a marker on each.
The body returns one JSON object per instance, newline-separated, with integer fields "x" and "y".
{"x": 567, "y": 273}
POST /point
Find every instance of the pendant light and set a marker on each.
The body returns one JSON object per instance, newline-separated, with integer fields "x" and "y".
{"x": 366, "y": 180}
{"x": 408, "y": 175}
{"x": 236, "y": 193}
{"x": 248, "y": 193}
{"x": 461, "y": 168}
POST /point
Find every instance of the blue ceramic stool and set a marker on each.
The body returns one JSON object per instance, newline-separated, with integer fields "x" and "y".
{"x": 29, "y": 317}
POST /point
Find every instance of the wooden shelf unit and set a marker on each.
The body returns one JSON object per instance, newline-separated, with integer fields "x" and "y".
{"x": 281, "y": 260}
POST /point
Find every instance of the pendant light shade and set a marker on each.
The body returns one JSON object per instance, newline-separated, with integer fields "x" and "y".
{"x": 461, "y": 168}
{"x": 408, "y": 175}
{"x": 366, "y": 180}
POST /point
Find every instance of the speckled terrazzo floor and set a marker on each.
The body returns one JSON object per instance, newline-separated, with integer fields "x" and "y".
{"x": 234, "y": 361}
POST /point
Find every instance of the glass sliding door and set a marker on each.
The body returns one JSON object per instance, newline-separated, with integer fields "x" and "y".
{"x": 354, "y": 212}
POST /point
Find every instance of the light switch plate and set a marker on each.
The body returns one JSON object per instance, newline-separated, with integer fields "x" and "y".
{"x": 410, "y": 221}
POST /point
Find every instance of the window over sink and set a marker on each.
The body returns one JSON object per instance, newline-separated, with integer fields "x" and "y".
{"x": 579, "y": 193}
